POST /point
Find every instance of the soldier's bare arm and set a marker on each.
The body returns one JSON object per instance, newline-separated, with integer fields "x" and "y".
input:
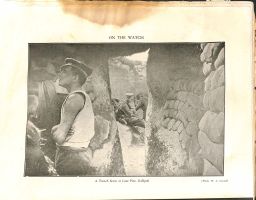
{"x": 71, "y": 108}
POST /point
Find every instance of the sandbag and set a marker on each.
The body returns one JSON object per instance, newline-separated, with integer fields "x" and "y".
{"x": 176, "y": 104}
{"x": 199, "y": 90}
{"x": 176, "y": 125}
{"x": 202, "y": 45}
{"x": 183, "y": 137}
{"x": 171, "y": 94}
{"x": 216, "y": 129}
{"x": 221, "y": 80}
{"x": 190, "y": 85}
{"x": 182, "y": 117}
{"x": 171, "y": 84}
{"x": 182, "y": 96}
{"x": 215, "y": 78}
{"x": 193, "y": 114}
{"x": 211, "y": 151}
{"x": 193, "y": 85}
{"x": 210, "y": 170}
{"x": 206, "y": 100}
{"x": 184, "y": 107}
{"x": 172, "y": 113}
{"x": 171, "y": 123}
{"x": 176, "y": 85}
{"x": 216, "y": 99}
{"x": 165, "y": 122}
{"x": 207, "y": 68}
{"x": 171, "y": 104}
{"x": 166, "y": 105}
{"x": 206, "y": 54}
{"x": 205, "y": 122}
{"x": 180, "y": 128}
{"x": 210, "y": 52}
{"x": 207, "y": 81}
{"x": 181, "y": 104}
{"x": 183, "y": 85}
{"x": 192, "y": 128}
{"x": 220, "y": 59}
{"x": 194, "y": 100}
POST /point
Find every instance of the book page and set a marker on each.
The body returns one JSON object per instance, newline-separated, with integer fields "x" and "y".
{"x": 127, "y": 100}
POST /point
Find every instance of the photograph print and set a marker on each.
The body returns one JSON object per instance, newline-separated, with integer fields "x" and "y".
{"x": 125, "y": 109}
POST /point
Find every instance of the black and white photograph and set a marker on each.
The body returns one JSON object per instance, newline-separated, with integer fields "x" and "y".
{"x": 125, "y": 109}
{"x": 127, "y": 100}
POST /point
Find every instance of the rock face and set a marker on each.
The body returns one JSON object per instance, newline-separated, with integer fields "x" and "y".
{"x": 107, "y": 157}
{"x": 187, "y": 122}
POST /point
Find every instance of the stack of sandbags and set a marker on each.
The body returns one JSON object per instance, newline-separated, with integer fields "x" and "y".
{"x": 211, "y": 52}
{"x": 211, "y": 134}
{"x": 179, "y": 127}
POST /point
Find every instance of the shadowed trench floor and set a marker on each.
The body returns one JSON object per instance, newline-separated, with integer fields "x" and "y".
{"x": 133, "y": 153}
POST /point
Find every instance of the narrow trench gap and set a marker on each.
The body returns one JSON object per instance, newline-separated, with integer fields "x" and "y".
{"x": 129, "y": 96}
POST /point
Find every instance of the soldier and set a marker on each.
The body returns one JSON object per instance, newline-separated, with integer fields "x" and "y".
{"x": 119, "y": 114}
{"x": 130, "y": 113}
{"x": 76, "y": 128}
{"x": 141, "y": 104}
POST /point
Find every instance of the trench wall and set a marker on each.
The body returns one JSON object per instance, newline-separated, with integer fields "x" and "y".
{"x": 186, "y": 124}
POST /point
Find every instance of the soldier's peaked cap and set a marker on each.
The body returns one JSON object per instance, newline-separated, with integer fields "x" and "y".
{"x": 71, "y": 62}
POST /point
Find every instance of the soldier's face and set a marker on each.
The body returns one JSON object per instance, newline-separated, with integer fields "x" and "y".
{"x": 88, "y": 85}
{"x": 130, "y": 99}
{"x": 140, "y": 97}
{"x": 66, "y": 76}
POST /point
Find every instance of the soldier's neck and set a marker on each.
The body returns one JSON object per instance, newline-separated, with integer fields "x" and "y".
{"x": 74, "y": 87}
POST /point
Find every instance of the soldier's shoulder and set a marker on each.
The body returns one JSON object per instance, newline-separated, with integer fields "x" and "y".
{"x": 76, "y": 100}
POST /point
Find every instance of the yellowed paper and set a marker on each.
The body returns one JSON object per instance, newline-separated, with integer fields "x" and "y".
{"x": 24, "y": 23}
